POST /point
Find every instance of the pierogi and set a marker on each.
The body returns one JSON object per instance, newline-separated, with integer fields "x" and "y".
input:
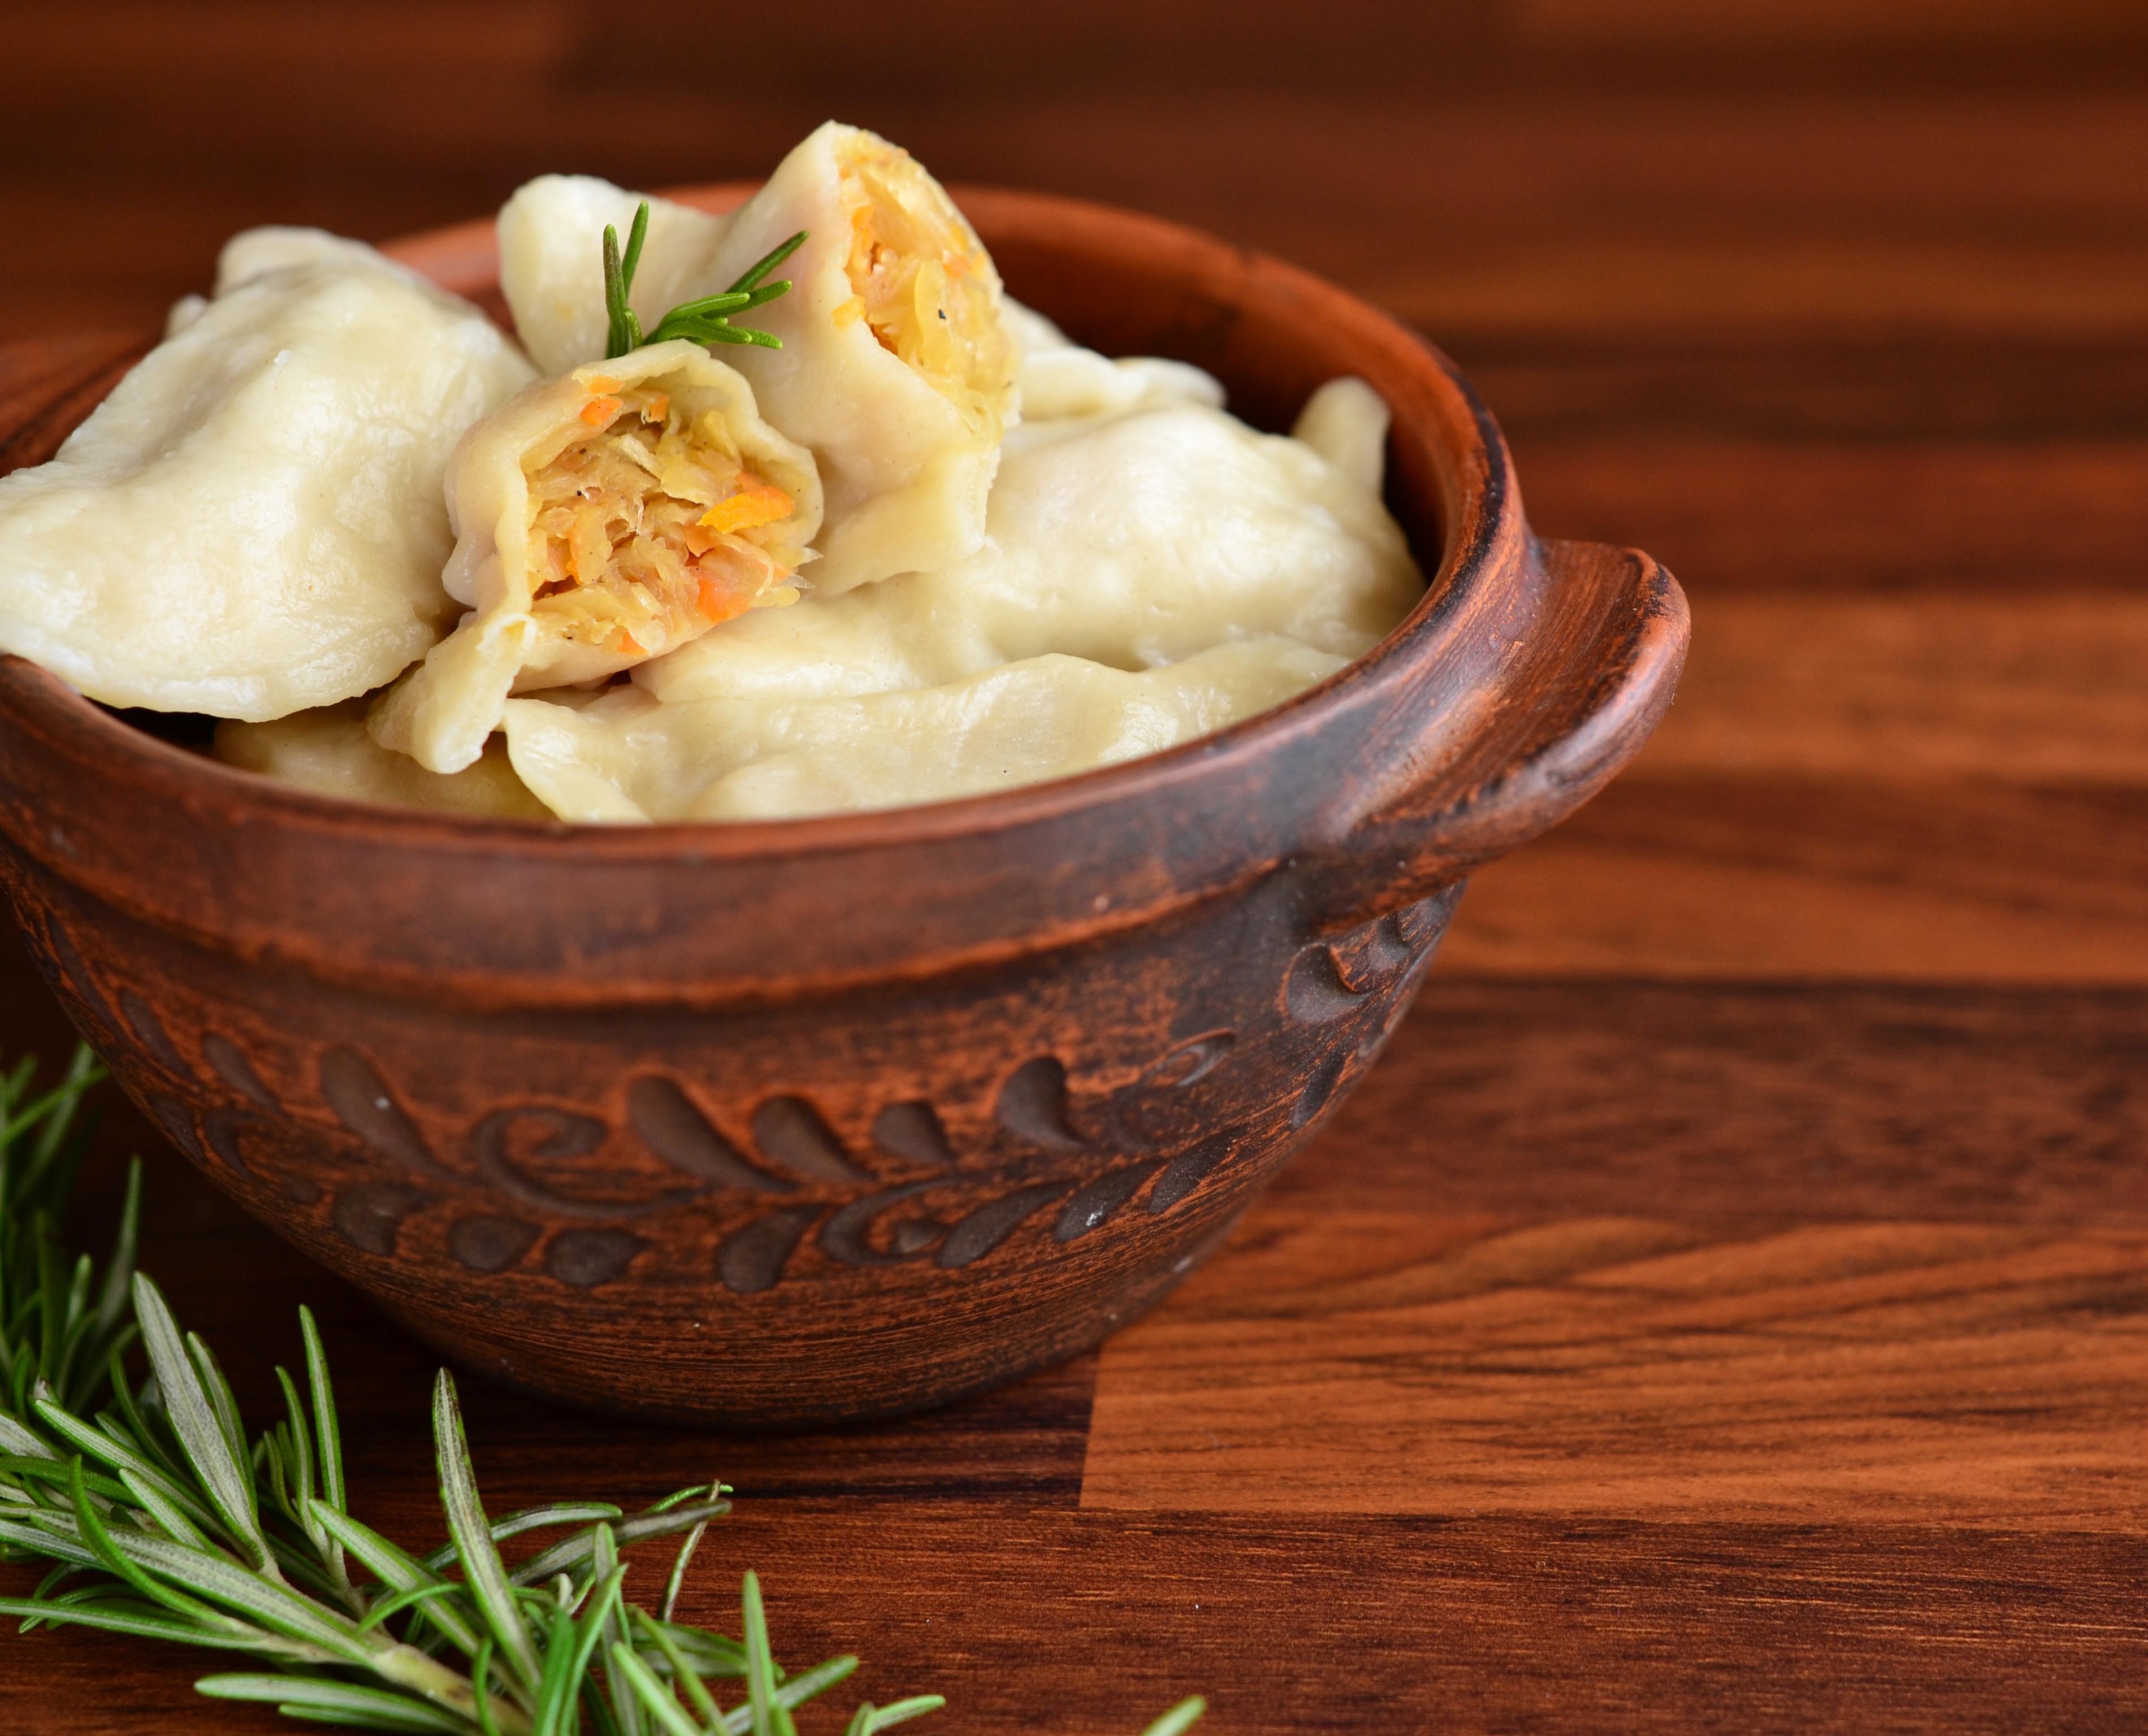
{"x": 897, "y": 364}
{"x": 898, "y": 367}
{"x": 1155, "y": 572}
{"x": 601, "y": 519}
{"x": 1056, "y": 379}
{"x": 551, "y": 271}
{"x": 330, "y": 752}
{"x": 252, "y": 523}
{"x": 629, "y": 756}
{"x": 1132, "y": 539}
{"x": 900, "y": 539}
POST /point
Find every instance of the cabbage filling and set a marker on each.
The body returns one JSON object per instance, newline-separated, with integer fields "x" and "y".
{"x": 920, "y": 279}
{"x": 648, "y": 528}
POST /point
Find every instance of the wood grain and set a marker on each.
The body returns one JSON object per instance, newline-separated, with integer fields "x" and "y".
{"x": 1619, "y": 396}
{"x": 1083, "y": 1624}
{"x": 1745, "y": 1104}
{"x": 1778, "y": 877}
{"x": 1791, "y": 518}
{"x": 1722, "y": 1308}
{"x": 1894, "y": 1373}
{"x": 1775, "y": 21}
{"x": 1694, "y": 1251}
{"x": 2011, "y": 690}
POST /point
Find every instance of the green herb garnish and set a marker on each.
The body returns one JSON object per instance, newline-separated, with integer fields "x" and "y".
{"x": 163, "y": 1524}
{"x": 705, "y": 321}
{"x": 52, "y": 1335}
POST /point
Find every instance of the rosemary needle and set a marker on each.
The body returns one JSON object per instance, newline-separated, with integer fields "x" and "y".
{"x": 163, "y": 1524}
{"x": 705, "y": 320}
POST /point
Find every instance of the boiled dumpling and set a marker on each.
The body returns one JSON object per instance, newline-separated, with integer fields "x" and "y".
{"x": 277, "y": 246}
{"x": 1132, "y": 539}
{"x": 1058, "y": 378}
{"x": 1346, "y": 422}
{"x": 551, "y": 262}
{"x": 603, "y": 518}
{"x": 252, "y": 523}
{"x": 330, "y": 752}
{"x": 628, "y": 757}
{"x": 898, "y": 367}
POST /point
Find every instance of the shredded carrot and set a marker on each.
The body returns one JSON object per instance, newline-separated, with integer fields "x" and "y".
{"x": 660, "y": 406}
{"x": 850, "y": 312}
{"x": 598, "y": 411}
{"x": 718, "y": 602}
{"x": 603, "y": 383}
{"x": 758, "y": 503}
{"x": 629, "y": 645}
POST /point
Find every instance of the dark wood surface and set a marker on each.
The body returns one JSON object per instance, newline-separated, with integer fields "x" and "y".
{"x": 1726, "y": 1306}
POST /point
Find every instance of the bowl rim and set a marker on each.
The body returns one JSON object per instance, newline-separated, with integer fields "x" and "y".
{"x": 1477, "y": 512}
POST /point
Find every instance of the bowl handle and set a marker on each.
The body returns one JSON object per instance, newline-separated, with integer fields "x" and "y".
{"x": 1502, "y": 753}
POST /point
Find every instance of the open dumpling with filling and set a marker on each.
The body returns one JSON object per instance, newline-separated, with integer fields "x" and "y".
{"x": 603, "y": 518}
{"x": 628, "y": 757}
{"x": 897, "y": 364}
{"x": 898, "y": 367}
{"x": 252, "y": 523}
{"x": 1132, "y": 538}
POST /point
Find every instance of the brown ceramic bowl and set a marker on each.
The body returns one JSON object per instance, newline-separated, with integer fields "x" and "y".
{"x": 780, "y": 1122}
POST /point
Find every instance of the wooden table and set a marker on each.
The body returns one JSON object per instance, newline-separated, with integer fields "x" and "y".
{"x": 1727, "y": 1307}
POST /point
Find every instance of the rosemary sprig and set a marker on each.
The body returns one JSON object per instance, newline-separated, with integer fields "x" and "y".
{"x": 51, "y": 1328}
{"x": 163, "y": 1523}
{"x": 706, "y": 320}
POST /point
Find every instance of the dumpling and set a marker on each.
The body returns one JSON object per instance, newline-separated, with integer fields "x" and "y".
{"x": 551, "y": 262}
{"x": 1059, "y": 379}
{"x": 252, "y": 523}
{"x": 330, "y": 752}
{"x": 603, "y": 518}
{"x": 1346, "y": 422}
{"x": 627, "y": 757}
{"x": 253, "y": 253}
{"x": 1133, "y": 539}
{"x": 276, "y": 247}
{"x": 898, "y": 367}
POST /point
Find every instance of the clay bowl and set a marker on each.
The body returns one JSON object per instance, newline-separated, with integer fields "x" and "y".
{"x": 763, "y": 1125}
